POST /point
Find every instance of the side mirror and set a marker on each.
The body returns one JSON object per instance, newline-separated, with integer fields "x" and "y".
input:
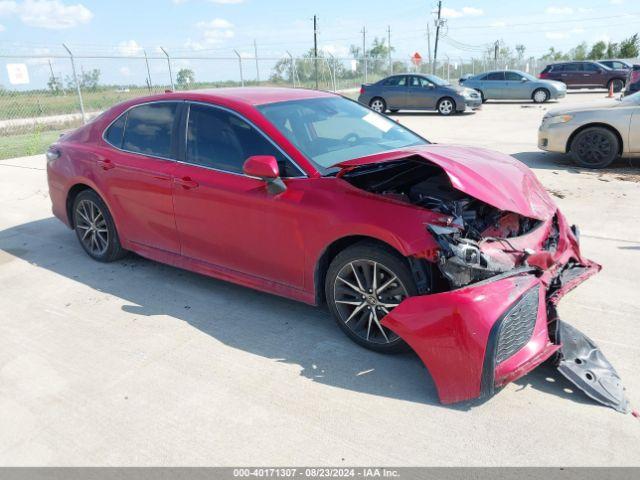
{"x": 265, "y": 167}
{"x": 524, "y": 80}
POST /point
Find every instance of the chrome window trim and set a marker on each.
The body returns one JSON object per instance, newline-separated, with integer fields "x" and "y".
{"x": 125, "y": 129}
{"x": 250, "y": 123}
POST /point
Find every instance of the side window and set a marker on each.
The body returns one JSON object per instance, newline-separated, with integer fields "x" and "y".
{"x": 496, "y": 76}
{"x": 397, "y": 81}
{"x": 149, "y": 129}
{"x": 419, "y": 82}
{"x": 114, "y": 133}
{"x": 513, "y": 76}
{"x": 590, "y": 67}
{"x": 572, "y": 67}
{"x": 221, "y": 140}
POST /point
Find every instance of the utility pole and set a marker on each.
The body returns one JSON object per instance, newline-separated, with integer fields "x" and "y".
{"x": 364, "y": 51}
{"x": 389, "y": 48}
{"x": 428, "y": 43}
{"x": 255, "y": 54}
{"x": 315, "y": 48}
{"x": 435, "y": 50}
{"x": 496, "y": 47}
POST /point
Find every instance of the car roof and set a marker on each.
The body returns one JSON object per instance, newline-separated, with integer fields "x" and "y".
{"x": 247, "y": 96}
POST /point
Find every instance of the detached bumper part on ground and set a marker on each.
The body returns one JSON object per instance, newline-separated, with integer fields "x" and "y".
{"x": 481, "y": 336}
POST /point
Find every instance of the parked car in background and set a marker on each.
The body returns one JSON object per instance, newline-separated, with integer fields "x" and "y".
{"x": 633, "y": 81}
{"x": 585, "y": 75}
{"x": 410, "y": 91}
{"x": 594, "y": 135}
{"x": 457, "y": 253}
{"x": 514, "y": 85}
{"x": 616, "y": 64}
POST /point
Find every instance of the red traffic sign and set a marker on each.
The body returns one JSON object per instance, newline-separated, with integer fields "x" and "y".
{"x": 416, "y": 59}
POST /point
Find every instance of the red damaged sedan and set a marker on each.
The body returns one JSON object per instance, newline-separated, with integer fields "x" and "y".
{"x": 457, "y": 253}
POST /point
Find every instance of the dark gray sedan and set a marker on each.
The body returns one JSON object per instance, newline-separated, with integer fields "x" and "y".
{"x": 514, "y": 85}
{"x": 410, "y": 91}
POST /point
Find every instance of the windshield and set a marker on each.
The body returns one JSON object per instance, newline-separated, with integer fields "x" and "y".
{"x": 332, "y": 130}
{"x": 528, "y": 76}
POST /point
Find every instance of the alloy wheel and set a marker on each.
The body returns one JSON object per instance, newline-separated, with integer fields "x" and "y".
{"x": 377, "y": 105}
{"x": 594, "y": 148}
{"x": 445, "y": 107}
{"x": 92, "y": 227}
{"x": 365, "y": 291}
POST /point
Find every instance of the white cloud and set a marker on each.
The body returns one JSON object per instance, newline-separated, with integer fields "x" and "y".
{"x": 339, "y": 51}
{"x": 129, "y": 48}
{"x": 226, "y": 2}
{"x": 465, "y": 11}
{"x": 51, "y": 14}
{"x": 616, "y": 2}
{"x": 2, "y": 28}
{"x": 556, "y": 35}
{"x": 214, "y": 32}
{"x": 559, "y": 10}
{"x": 498, "y": 24}
{"x": 577, "y": 30}
{"x": 125, "y": 71}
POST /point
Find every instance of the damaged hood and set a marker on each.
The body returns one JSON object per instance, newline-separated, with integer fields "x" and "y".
{"x": 491, "y": 177}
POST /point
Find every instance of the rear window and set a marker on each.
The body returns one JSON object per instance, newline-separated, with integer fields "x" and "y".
{"x": 114, "y": 133}
{"x": 149, "y": 129}
{"x": 399, "y": 81}
{"x": 495, "y": 76}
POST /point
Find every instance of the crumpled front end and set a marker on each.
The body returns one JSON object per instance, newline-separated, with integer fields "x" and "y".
{"x": 499, "y": 321}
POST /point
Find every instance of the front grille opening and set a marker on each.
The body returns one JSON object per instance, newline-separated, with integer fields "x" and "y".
{"x": 517, "y": 326}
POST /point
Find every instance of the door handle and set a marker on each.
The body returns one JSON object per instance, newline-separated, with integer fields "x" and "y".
{"x": 187, "y": 183}
{"x": 106, "y": 164}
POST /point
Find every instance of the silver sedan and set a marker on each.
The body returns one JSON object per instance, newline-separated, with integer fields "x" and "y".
{"x": 514, "y": 85}
{"x": 594, "y": 135}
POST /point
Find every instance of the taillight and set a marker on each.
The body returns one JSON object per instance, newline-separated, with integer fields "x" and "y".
{"x": 361, "y": 90}
{"x": 635, "y": 76}
{"x": 543, "y": 75}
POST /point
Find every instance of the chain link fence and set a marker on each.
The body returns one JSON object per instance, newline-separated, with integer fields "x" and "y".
{"x": 43, "y": 95}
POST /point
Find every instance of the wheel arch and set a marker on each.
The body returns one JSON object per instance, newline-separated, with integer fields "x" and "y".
{"x": 333, "y": 249}
{"x": 73, "y": 192}
{"x": 606, "y": 126}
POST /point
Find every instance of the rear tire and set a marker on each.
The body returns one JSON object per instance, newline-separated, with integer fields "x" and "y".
{"x": 378, "y": 104}
{"x": 446, "y": 106}
{"x": 358, "y": 303}
{"x": 594, "y": 147}
{"x": 95, "y": 228}
{"x": 540, "y": 95}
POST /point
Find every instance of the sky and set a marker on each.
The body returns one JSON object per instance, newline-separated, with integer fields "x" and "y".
{"x": 218, "y": 27}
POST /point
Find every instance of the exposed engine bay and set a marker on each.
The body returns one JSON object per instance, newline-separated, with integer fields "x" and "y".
{"x": 467, "y": 222}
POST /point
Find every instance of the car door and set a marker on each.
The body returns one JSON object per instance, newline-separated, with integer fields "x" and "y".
{"x": 592, "y": 75}
{"x": 421, "y": 94}
{"x": 137, "y": 169}
{"x": 394, "y": 92}
{"x": 494, "y": 85}
{"x": 574, "y": 75}
{"x": 227, "y": 219}
{"x": 516, "y": 87}
{"x": 563, "y": 73}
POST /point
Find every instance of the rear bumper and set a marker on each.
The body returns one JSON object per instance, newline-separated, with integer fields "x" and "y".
{"x": 478, "y": 338}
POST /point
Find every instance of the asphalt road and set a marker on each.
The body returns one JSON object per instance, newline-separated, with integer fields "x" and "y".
{"x": 136, "y": 363}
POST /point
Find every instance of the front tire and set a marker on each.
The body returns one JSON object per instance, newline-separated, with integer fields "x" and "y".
{"x": 446, "y": 106}
{"x": 595, "y": 147}
{"x": 378, "y": 104}
{"x": 540, "y": 95}
{"x": 95, "y": 228}
{"x": 364, "y": 283}
{"x": 484, "y": 100}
